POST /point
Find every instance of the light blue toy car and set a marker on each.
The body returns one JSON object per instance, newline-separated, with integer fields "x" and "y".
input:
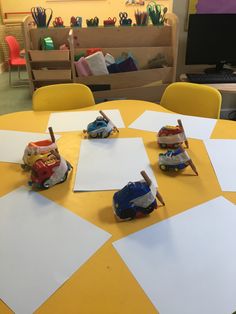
{"x": 100, "y": 128}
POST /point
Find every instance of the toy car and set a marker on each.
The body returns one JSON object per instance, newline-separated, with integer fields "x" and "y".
{"x": 171, "y": 136}
{"x": 133, "y": 201}
{"x": 100, "y": 128}
{"x": 35, "y": 151}
{"x": 174, "y": 160}
{"x": 49, "y": 170}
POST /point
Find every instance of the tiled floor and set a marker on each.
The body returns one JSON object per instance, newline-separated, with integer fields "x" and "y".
{"x": 14, "y": 98}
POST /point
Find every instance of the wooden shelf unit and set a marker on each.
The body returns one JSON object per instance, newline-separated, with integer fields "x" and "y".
{"x": 46, "y": 67}
{"x": 142, "y": 42}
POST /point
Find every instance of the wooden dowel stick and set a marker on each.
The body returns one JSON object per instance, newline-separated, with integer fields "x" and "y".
{"x": 159, "y": 197}
{"x": 149, "y": 182}
{"x": 146, "y": 177}
{"x": 193, "y": 166}
{"x": 190, "y": 162}
{"x": 53, "y": 138}
{"x": 106, "y": 118}
{"x": 51, "y": 134}
{"x": 181, "y": 126}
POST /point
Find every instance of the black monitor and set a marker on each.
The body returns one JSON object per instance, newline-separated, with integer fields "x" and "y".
{"x": 211, "y": 40}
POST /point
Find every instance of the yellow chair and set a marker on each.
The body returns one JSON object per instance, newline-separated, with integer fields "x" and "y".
{"x": 192, "y": 99}
{"x": 62, "y": 97}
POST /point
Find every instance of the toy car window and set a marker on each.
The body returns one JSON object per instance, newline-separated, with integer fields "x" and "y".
{"x": 100, "y": 124}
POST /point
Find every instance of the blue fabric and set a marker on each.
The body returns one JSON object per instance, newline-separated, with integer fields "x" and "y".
{"x": 113, "y": 68}
{"x": 125, "y": 66}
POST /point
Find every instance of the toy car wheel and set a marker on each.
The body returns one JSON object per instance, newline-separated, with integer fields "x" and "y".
{"x": 46, "y": 184}
{"x": 25, "y": 167}
{"x": 93, "y": 135}
{"x": 176, "y": 169}
{"x": 163, "y": 167}
{"x": 69, "y": 166}
{"x": 65, "y": 177}
{"x": 106, "y": 134}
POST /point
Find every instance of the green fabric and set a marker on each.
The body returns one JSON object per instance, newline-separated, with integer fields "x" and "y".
{"x": 47, "y": 43}
{"x": 79, "y": 55}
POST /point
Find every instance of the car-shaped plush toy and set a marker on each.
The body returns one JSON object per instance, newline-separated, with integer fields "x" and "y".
{"x": 136, "y": 199}
{"x": 175, "y": 160}
{"x": 102, "y": 127}
{"x": 172, "y": 136}
{"x": 37, "y": 150}
{"x": 133, "y": 201}
{"x": 49, "y": 170}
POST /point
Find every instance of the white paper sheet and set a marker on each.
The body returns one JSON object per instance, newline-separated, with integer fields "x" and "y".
{"x": 195, "y": 127}
{"x": 222, "y": 154}
{"x": 74, "y": 121}
{"x": 41, "y": 245}
{"x": 109, "y": 164}
{"x": 186, "y": 264}
{"x": 13, "y": 144}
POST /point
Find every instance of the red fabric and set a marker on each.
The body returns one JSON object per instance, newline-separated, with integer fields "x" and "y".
{"x": 91, "y": 51}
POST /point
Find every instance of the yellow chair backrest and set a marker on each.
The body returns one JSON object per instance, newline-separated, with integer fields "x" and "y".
{"x": 62, "y": 97}
{"x": 192, "y": 99}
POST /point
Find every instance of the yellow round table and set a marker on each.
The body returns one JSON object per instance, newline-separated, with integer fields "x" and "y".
{"x": 104, "y": 285}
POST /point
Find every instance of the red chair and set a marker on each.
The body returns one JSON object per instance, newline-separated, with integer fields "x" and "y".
{"x": 15, "y": 60}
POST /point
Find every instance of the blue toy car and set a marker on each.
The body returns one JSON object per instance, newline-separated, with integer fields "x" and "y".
{"x": 100, "y": 128}
{"x": 174, "y": 160}
{"x": 133, "y": 201}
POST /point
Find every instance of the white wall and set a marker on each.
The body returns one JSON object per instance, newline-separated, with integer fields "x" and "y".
{"x": 87, "y": 9}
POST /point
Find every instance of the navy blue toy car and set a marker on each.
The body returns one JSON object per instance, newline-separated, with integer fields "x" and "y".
{"x": 133, "y": 201}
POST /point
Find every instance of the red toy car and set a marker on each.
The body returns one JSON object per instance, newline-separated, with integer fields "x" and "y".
{"x": 49, "y": 171}
{"x": 37, "y": 150}
{"x": 172, "y": 136}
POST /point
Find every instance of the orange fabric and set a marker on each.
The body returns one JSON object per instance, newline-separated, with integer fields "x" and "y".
{"x": 91, "y": 51}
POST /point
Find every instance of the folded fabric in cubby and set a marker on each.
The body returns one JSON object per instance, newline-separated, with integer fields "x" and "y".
{"x": 91, "y": 51}
{"x": 82, "y": 67}
{"x": 97, "y": 63}
{"x": 113, "y": 68}
{"x": 127, "y": 65}
{"x": 79, "y": 55}
{"x": 125, "y": 55}
{"x": 109, "y": 59}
